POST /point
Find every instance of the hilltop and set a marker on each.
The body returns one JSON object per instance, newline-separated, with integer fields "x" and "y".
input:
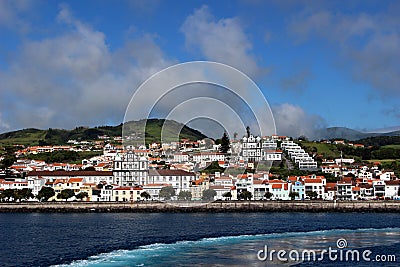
{"x": 32, "y": 136}
{"x": 350, "y": 134}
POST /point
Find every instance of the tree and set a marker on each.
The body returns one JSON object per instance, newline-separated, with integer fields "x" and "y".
{"x": 90, "y": 168}
{"x": 66, "y": 194}
{"x": 167, "y": 192}
{"x": 17, "y": 195}
{"x": 246, "y": 195}
{"x": 213, "y": 167}
{"x": 8, "y": 160}
{"x": 8, "y": 194}
{"x": 248, "y": 131}
{"x": 312, "y": 194}
{"x": 268, "y": 195}
{"x": 145, "y": 195}
{"x": 45, "y": 193}
{"x": 185, "y": 195}
{"x": 209, "y": 194}
{"x": 282, "y": 164}
{"x": 25, "y": 193}
{"x": 227, "y": 195}
{"x": 293, "y": 195}
{"x": 81, "y": 195}
{"x": 225, "y": 143}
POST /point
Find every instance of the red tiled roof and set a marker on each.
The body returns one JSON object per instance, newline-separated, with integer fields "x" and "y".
{"x": 275, "y": 181}
{"x": 313, "y": 181}
{"x": 223, "y": 178}
{"x": 75, "y": 180}
{"x": 277, "y": 186}
{"x": 199, "y": 181}
{"x": 346, "y": 180}
{"x": 70, "y": 173}
{"x": 395, "y": 182}
{"x": 219, "y": 187}
{"x": 330, "y": 186}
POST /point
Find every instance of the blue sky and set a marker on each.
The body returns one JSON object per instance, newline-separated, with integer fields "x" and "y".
{"x": 319, "y": 63}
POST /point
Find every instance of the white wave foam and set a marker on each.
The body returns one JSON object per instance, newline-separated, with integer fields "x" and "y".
{"x": 140, "y": 254}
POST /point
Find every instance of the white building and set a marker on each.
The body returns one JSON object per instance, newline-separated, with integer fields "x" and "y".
{"x": 379, "y": 188}
{"x": 344, "y": 161}
{"x": 315, "y": 184}
{"x": 392, "y": 189}
{"x": 154, "y": 189}
{"x": 272, "y": 155}
{"x": 130, "y": 169}
{"x": 178, "y": 179}
{"x": 280, "y": 189}
{"x": 208, "y": 156}
{"x": 308, "y": 165}
{"x": 88, "y": 176}
{"x": 385, "y": 176}
{"x": 181, "y": 157}
{"x": 251, "y": 148}
{"x": 255, "y": 149}
{"x": 299, "y": 156}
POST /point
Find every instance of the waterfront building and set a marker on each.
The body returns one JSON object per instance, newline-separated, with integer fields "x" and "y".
{"x": 130, "y": 169}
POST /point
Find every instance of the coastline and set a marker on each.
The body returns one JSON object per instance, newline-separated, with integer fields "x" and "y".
{"x": 190, "y": 207}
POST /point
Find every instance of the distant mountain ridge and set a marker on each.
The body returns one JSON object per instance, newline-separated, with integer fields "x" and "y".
{"x": 350, "y": 134}
{"x": 32, "y": 136}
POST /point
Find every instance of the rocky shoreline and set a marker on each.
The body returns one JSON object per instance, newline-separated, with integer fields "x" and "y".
{"x": 224, "y": 206}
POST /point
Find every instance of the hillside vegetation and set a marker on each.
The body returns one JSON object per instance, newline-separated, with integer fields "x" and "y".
{"x": 51, "y": 136}
{"x": 330, "y": 151}
{"x": 376, "y": 148}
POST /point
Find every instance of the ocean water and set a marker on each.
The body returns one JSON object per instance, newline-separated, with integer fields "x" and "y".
{"x": 199, "y": 239}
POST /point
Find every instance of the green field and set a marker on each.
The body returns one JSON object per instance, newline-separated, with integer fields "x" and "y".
{"x": 32, "y": 137}
{"x": 328, "y": 150}
{"x": 382, "y": 160}
{"x": 391, "y": 146}
{"x": 28, "y": 137}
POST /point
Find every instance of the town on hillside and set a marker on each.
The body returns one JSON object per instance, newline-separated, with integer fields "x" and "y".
{"x": 249, "y": 168}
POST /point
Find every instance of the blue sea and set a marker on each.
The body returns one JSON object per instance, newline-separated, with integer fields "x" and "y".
{"x": 198, "y": 239}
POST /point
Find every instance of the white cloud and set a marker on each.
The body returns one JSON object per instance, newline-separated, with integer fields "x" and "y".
{"x": 297, "y": 82}
{"x": 10, "y": 14}
{"x": 74, "y": 78}
{"x": 370, "y": 41}
{"x": 3, "y": 125}
{"x": 292, "y": 120}
{"x": 222, "y": 40}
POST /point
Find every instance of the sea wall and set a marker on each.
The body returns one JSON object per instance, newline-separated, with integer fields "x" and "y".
{"x": 224, "y": 206}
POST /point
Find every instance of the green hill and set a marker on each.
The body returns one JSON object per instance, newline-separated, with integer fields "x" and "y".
{"x": 330, "y": 151}
{"x": 60, "y": 136}
{"x": 153, "y": 131}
